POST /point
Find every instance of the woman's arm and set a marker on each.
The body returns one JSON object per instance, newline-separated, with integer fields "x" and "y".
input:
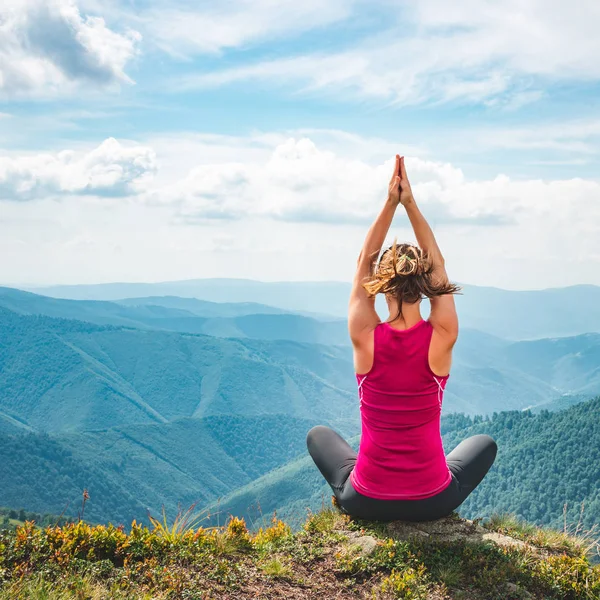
{"x": 443, "y": 315}
{"x": 362, "y": 317}
{"x": 425, "y": 238}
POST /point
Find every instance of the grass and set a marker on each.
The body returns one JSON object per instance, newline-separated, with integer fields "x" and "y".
{"x": 183, "y": 522}
{"x": 572, "y": 540}
{"x": 277, "y": 568}
{"x": 449, "y": 574}
{"x": 73, "y": 588}
{"x": 182, "y": 560}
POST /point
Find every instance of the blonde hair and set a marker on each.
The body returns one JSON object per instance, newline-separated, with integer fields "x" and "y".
{"x": 405, "y": 272}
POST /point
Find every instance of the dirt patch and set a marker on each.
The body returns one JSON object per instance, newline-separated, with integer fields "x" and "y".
{"x": 318, "y": 579}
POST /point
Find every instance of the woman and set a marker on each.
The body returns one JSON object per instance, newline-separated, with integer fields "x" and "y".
{"x": 402, "y": 366}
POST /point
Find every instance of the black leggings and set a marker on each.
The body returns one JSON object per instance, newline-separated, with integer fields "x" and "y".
{"x": 468, "y": 462}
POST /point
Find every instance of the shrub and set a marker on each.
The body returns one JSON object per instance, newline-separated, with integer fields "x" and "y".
{"x": 407, "y": 584}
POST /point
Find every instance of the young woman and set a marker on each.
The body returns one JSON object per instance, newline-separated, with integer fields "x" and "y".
{"x": 402, "y": 366}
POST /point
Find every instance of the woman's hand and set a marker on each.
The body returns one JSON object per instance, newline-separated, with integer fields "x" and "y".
{"x": 399, "y": 191}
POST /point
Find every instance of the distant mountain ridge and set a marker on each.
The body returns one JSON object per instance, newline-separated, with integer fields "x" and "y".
{"x": 515, "y": 315}
{"x": 271, "y": 362}
{"x": 147, "y": 414}
{"x": 185, "y": 315}
{"x": 65, "y": 375}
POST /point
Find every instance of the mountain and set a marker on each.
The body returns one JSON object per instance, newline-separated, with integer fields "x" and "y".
{"x": 317, "y": 297}
{"x": 489, "y": 374}
{"x": 252, "y": 466}
{"x": 514, "y": 315}
{"x": 544, "y": 461}
{"x": 129, "y": 469}
{"x": 64, "y": 375}
{"x": 517, "y": 375}
{"x": 128, "y": 408}
{"x": 204, "y": 308}
{"x": 186, "y": 315}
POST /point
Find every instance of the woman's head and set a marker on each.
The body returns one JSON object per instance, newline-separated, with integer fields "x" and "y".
{"x": 405, "y": 274}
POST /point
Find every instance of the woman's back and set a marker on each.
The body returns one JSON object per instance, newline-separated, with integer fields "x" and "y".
{"x": 401, "y": 455}
{"x": 401, "y": 471}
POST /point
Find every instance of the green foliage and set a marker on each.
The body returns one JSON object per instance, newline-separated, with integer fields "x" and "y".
{"x": 81, "y": 561}
{"x": 73, "y": 587}
{"x": 547, "y": 469}
{"x": 276, "y": 568}
{"x": 271, "y": 538}
{"x": 183, "y": 522}
{"x": 325, "y": 521}
{"x": 11, "y": 518}
{"x": 407, "y": 584}
{"x": 482, "y": 567}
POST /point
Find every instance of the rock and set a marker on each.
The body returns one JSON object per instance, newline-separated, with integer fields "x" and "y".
{"x": 503, "y": 540}
{"x": 447, "y": 529}
{"x": 450, "y": 529}
{"x": 366, "y": 543}
{"x": 517, "y": 592}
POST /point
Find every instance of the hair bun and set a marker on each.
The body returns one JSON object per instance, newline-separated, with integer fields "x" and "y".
{"x": 397, "y": 262}
{"x": 409, "y": 260}
{"x": 404, "y": 271}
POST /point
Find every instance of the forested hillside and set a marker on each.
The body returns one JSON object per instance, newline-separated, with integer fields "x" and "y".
{"x": 62, "y": 375}
{"x": 544, "y": 462}
{"x": 252, "y": 466}
{"x": 145, "y": 416}
{"x": 129, "y": 470}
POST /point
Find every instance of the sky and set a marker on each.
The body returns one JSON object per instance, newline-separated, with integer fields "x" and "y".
{"x": 167, "y": 140}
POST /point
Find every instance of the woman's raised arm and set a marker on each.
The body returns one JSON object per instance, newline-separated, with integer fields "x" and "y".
{"x": 443, "y": 315}
{"x": 362, "y": 317}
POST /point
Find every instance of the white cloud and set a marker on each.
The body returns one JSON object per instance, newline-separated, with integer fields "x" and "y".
{"x": 185, "y": 29}
{"x": 49, "y": 47}
{"x": 298, "y": 181}
{"x": 474, "y": 51}
{"x": 564, "y": 136}
{"x": 543, "y": 37}
{"x": 283, "y": 208}
{"x": 289, "y": 179}
{"x": 111, "y": 169}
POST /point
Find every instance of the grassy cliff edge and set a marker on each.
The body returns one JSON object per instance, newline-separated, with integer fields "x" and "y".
{"x": 331, "y": 556}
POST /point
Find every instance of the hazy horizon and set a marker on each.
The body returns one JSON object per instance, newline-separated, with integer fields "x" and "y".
{"x": 38, "y": 288}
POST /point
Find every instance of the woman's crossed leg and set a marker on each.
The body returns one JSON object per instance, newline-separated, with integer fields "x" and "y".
{"x": 468, "y": 462}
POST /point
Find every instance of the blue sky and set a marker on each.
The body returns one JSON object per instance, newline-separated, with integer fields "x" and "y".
{"x": 147, "y": 141}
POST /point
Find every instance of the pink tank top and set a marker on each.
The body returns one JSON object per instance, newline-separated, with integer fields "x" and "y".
{"x": 401, "y": 455}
